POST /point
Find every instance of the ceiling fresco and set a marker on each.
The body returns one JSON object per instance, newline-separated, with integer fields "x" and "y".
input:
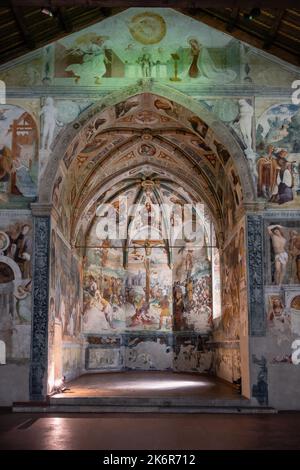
{"x": 118, "y": 144}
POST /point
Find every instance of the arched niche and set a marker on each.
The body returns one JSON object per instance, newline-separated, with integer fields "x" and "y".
{"x": 75, "y": 210}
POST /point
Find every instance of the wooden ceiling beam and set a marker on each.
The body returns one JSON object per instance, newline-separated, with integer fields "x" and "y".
{"x": 64, "y": 20}
{"x": 234, "y": 16}
{"x": 18, "y": 15}
{"x": 216, "y": 19}
{"x": 159, "y": 3}
{"x": 270, "y": 37}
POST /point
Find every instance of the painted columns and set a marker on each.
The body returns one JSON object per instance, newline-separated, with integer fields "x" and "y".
{"x": 255, "y": 260}
{"x": 39, "y": 334}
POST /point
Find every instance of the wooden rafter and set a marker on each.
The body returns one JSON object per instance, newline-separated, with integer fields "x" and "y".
{"x": 274, "y": 29}
{"x": 161, "y": 3}
{"x": 249, "y": 32}
{"x": 234, "y": 16}
{"x": 22, "y": 28}
{"x": 64, "y": 20}
{"x": 18, "y": 15}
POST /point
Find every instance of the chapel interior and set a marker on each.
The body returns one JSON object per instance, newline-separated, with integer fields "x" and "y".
{"x": 149, "y": 210}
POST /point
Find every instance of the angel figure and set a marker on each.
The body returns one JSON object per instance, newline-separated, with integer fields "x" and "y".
{"x": 93, "y": 59}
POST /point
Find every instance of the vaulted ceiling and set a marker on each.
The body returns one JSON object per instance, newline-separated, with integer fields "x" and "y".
{"x": 144, "y": 140}
{"x": 24, "y": 27}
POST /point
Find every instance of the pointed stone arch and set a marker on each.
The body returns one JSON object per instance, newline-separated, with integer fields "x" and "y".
{"x": 64, "y": 141}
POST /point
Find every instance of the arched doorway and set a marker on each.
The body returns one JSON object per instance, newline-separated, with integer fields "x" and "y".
{"x": 153, "y": 150}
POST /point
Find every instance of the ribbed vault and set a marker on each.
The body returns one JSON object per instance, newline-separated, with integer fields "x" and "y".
{"x": 145, "y": 134}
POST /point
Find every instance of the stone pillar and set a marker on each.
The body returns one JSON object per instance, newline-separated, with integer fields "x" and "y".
{"x": 40, "y": 302}
{"x": 255, "y": 259}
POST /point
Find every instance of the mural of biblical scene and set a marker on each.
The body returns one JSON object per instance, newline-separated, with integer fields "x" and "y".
{"x": 233, "y": 264}
{"x": 67, "y": 301}
{"x": 15, "y": 282}
{"x": 132, "y": 285}
{"x": 284, "y": 261}
{"x": 156, "y": 43}
{"x": 138, "y": 298}
{"x": 18, "y": 156}
{"x": 148, "y": 289}
{"x": 278, "y": 147}
{"x": 104, "y": 289}
{"x": 192, "y": 289}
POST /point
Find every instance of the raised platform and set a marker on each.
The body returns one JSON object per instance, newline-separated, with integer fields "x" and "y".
{"x": 134, "y": 391}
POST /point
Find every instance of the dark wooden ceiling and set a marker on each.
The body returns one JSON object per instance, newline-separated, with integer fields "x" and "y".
{"x": 23, "y": 26}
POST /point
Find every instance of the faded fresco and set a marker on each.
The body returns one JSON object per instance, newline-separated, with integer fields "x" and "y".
{"x": 278, "y": 147}
{"x": 147, "y": 46}
{"x": 65, "y": 311}
{"x": 18, "y": 156}
{"x": 282, "y": 290}
{"x": 67, "y": 291}
{"x": 15, "y": 283}
{"x": 229, "y": 328}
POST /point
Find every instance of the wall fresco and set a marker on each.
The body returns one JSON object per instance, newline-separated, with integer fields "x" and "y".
{"x": 278, "y": 147}
{"x": 65, "y": 312}
{"x": 156, "y": 43}
{"x": 147, "y": 46}
{"x": 15, "y": 282}
{"x": 18, "y": 156}
{"x": 284, "y": 260}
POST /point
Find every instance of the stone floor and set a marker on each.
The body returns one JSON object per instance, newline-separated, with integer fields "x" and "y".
{"x": 149, "y": 431}
{"x": 150, "y": 384}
